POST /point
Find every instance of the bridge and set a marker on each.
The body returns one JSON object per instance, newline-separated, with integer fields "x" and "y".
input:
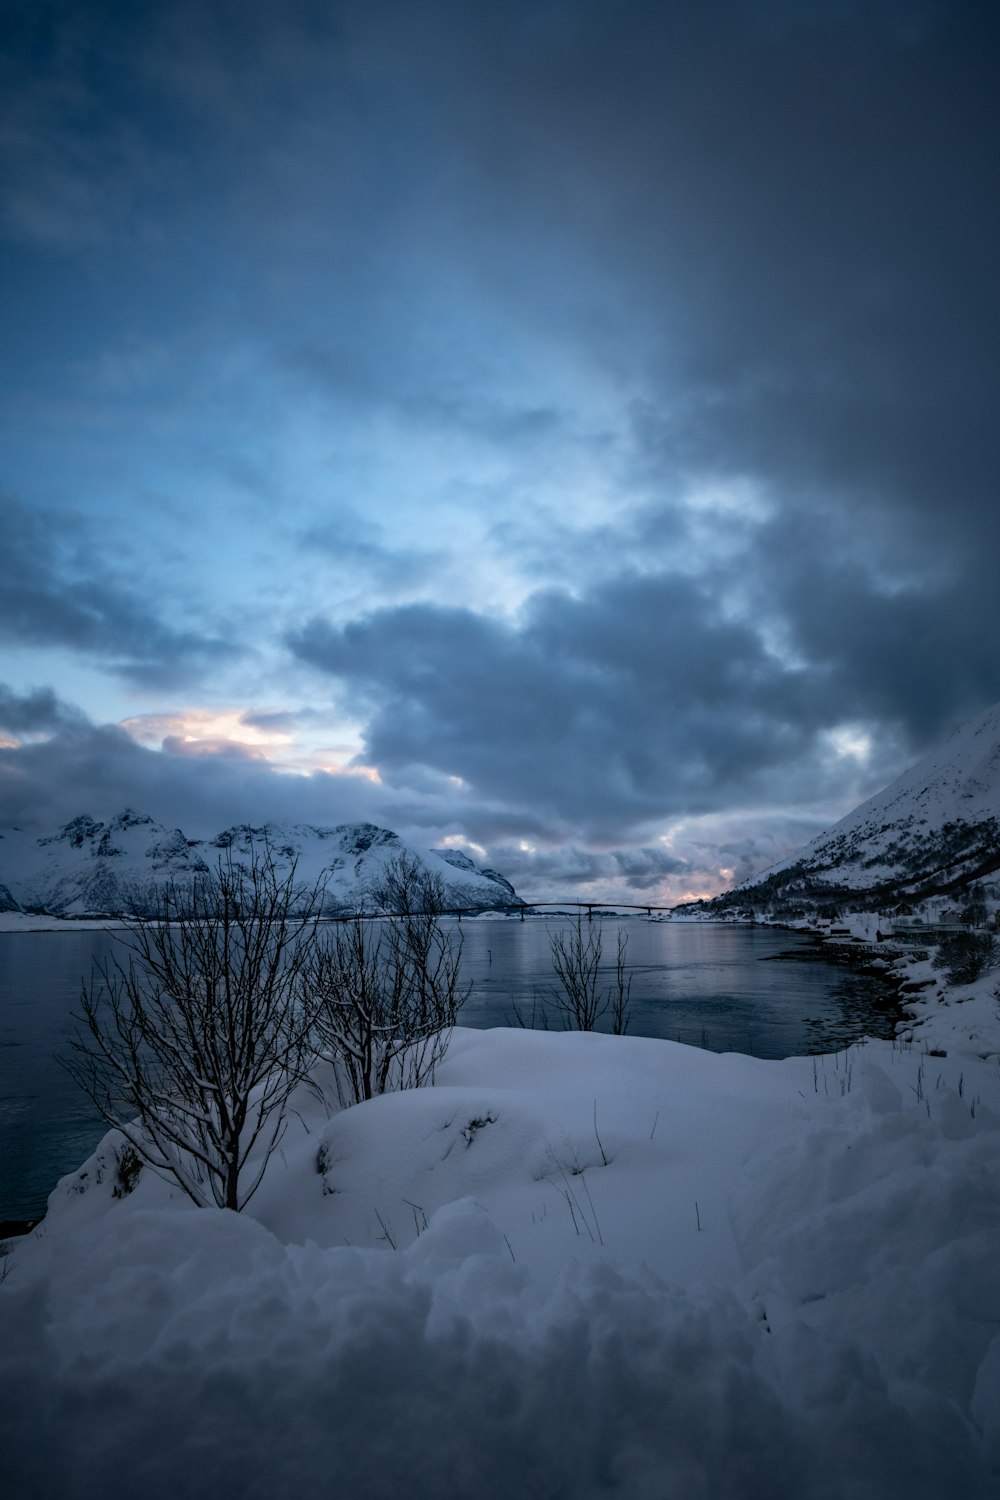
{"x": 515, "y": 908}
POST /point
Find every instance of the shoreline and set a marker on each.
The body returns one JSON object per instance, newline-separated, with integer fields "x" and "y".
{"x": 12, "y": 1229}
{"x": 31, "y": 922}
{"x": 847, "y": 952}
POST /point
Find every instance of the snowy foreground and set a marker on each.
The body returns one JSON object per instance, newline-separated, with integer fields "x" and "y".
{"x": 578, "y": 1266}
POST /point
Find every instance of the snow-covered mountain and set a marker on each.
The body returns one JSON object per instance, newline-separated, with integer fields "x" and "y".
{"x": 90, "y": 867}
{"x": 931, "y": 835}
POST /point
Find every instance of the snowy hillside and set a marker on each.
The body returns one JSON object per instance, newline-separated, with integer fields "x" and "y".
{"x": 90, "y": 867}
{"x": 932, "y": 834}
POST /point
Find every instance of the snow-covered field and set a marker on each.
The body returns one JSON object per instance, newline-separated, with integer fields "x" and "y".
{"x": 578, "y": 1266}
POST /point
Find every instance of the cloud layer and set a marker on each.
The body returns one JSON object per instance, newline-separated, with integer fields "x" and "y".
{"x": 583, "y": 417}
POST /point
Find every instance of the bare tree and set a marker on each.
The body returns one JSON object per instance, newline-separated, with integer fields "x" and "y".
{"x": 580, "y": 1002}
{"x": 385, "y": 991}
{"x": 407, "y": 889}
{"x": 192, "y": 1043}
{"x": 620, "y": 995}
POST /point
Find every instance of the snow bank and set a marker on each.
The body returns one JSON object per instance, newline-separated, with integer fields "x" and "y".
{"x": 19, "y": 921}
{"x": 578, "y": 1266}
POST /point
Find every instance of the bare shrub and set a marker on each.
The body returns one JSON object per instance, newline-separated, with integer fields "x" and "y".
{"x": 192, "y": 1043}
{"x": 128, "y": 1168}
{"x": 580, "y": 1002}
{"x": 385, "y": 992}
{"x": 965, "y": 955}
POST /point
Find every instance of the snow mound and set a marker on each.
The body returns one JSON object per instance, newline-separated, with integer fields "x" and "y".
{"x": 577, "y": 1266}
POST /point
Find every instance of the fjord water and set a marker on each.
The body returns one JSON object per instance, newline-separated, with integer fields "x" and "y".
{"x": 713, "y": 985}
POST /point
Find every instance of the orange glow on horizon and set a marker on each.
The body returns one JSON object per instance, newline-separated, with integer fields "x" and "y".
{"x": 202, "y": 731}
{"x": 195, "y": 726}
{"x": 366, "y": 773}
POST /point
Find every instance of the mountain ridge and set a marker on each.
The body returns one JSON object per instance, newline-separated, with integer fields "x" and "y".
{"x": 931, "y": 837}
{"x": 93, "y": 868}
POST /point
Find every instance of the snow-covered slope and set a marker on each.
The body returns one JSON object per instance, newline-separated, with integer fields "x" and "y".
{"x": 932, "y": 833}
{"x": 92, "y": 867}
{"x": 598, "y": 1267}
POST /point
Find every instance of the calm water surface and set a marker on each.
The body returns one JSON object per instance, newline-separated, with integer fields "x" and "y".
{"x": 711, "y": 985}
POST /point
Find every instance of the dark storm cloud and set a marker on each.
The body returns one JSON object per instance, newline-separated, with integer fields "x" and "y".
{"x": 58, "y": 590}
{"x": 779, "y": 219}
{"x": 909, "y": 644}
{"x": 568, "y": 869}
{"x": 644, "y": 868}
{"x": 99, "y": 769}
{"x": 794, "y": 210}
{"x": 819, "y": 257}
{"x": 634, "y": 701}
{"x": 657, "y": 248}
{"x": 35, "y": 712}
{"x": 81, "y": 767}
{"x": 219, "y": 749}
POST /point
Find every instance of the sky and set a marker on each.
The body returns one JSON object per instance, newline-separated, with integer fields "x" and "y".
{"x": 562, "y": 431}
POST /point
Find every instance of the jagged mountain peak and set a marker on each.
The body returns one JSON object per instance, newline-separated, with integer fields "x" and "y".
{"x": 129, "y": 818}
{"x": 77, "y": 832}
{"x": 455, "y": 857}
{"x": 87, "y": 830}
